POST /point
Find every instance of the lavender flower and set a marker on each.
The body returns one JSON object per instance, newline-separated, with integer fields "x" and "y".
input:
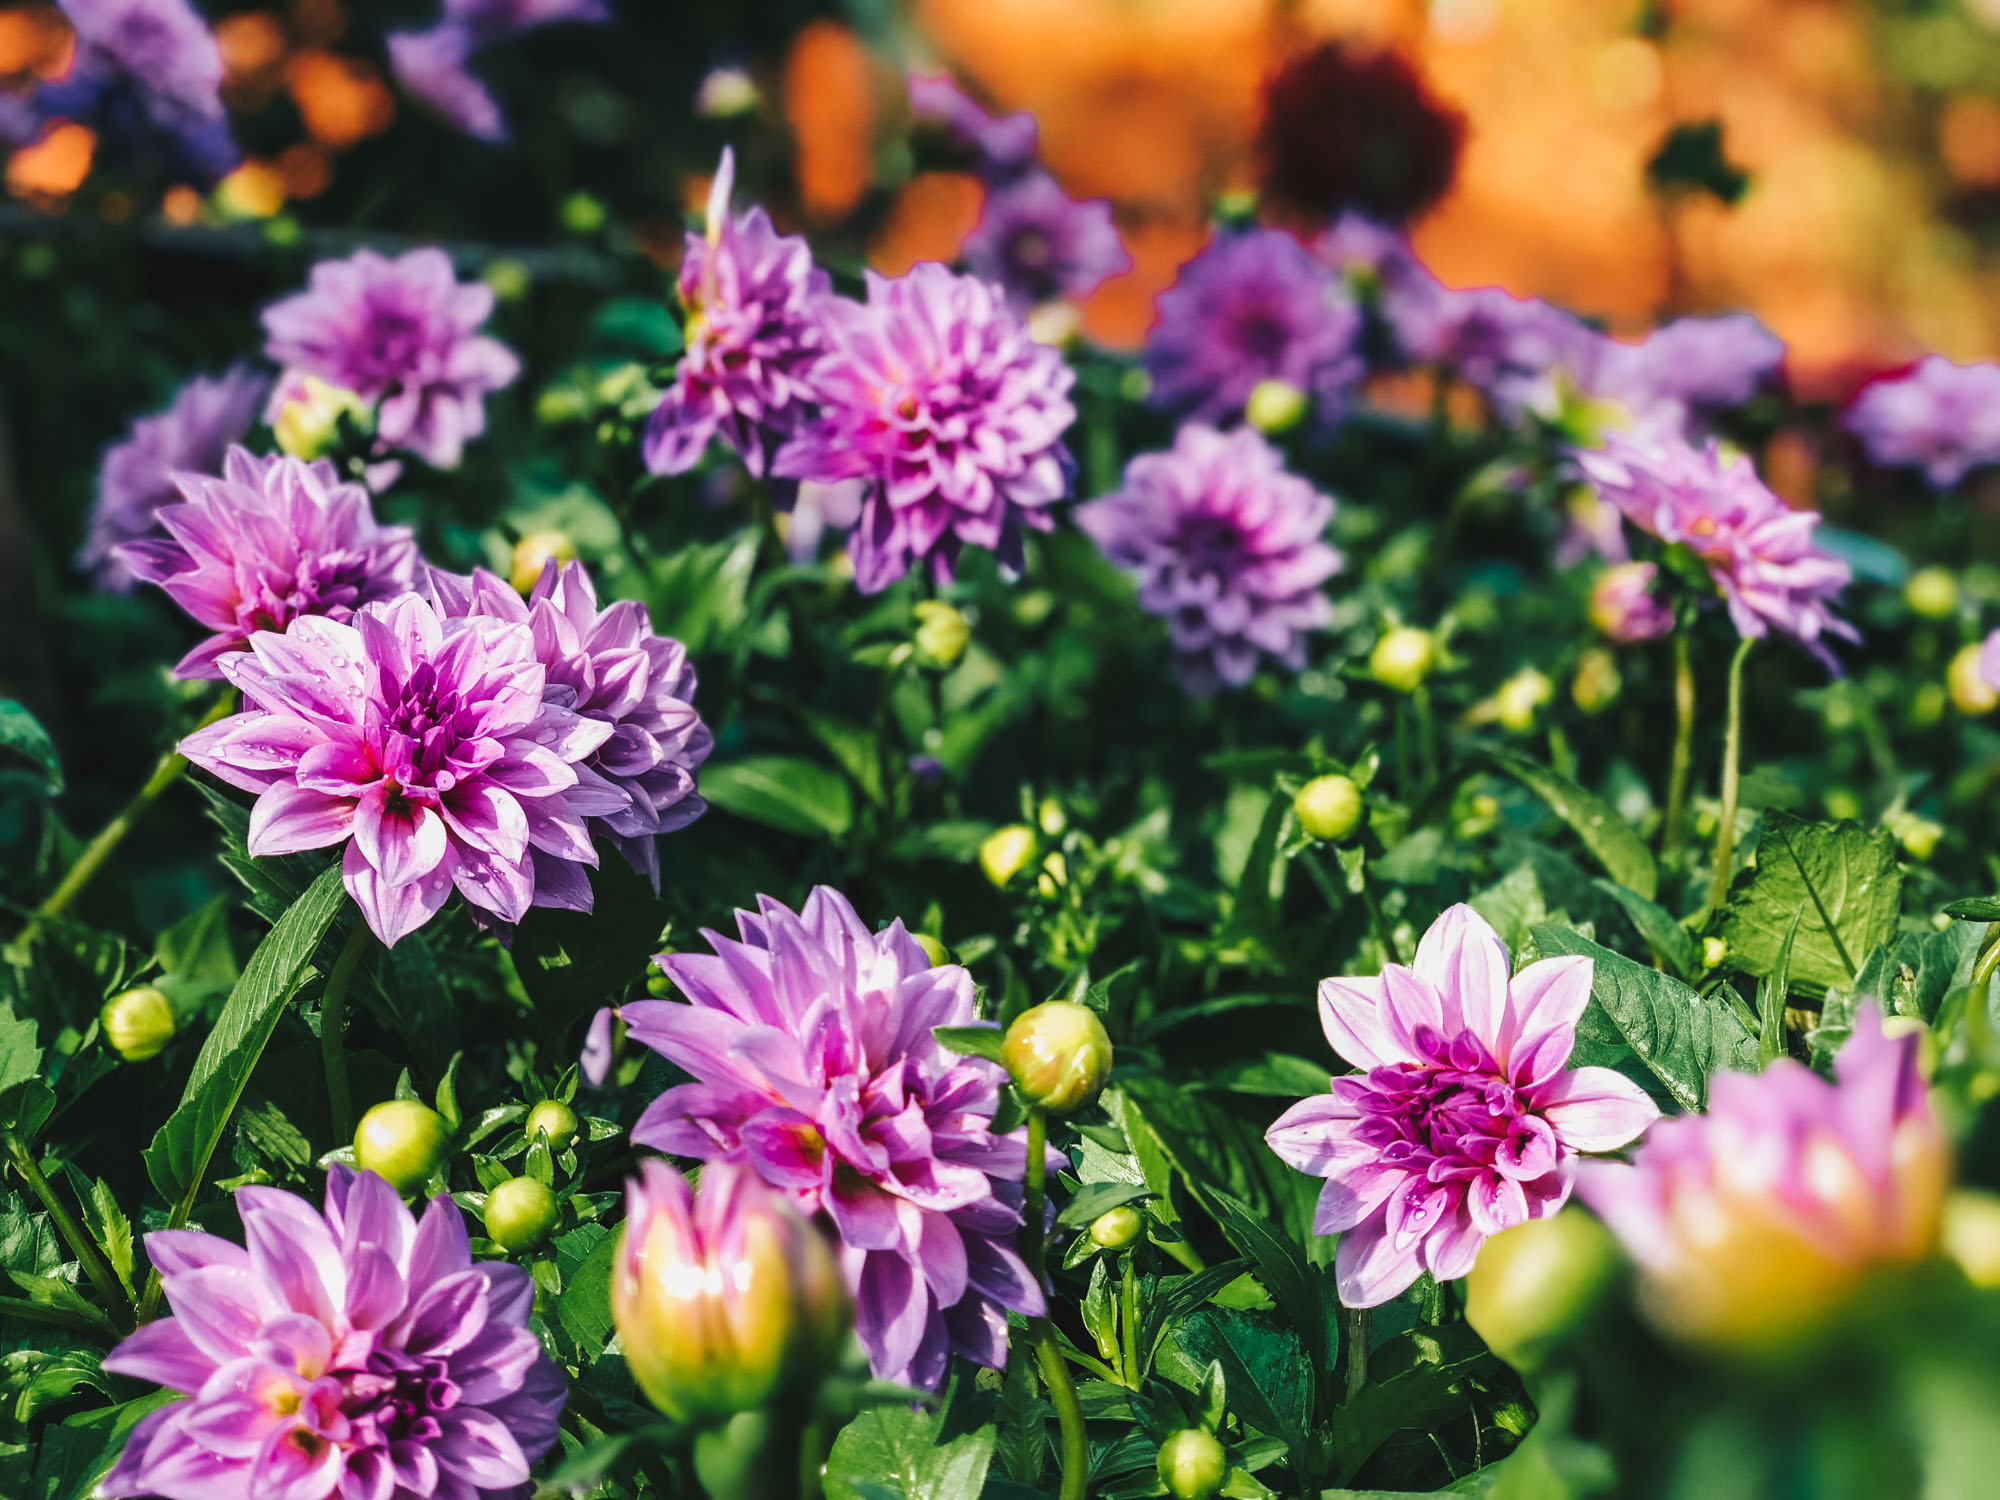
{"x": 1367, "y": 252}
{"x": 403, "y": 333}
{"x": 135, "y": 476}
{"x": 1759, "y": 551}
{"x": 490, "y": 21}
{"x": 1464, "y": 1122}
{"x": 753, "y": 298}
{"x": 1940, "y": 417}
{"x": 431, "y": 67}
{"x": 1229, "y": 548}
{"x": 1712, "y": 364}
{"x": 1253, "y": 306}
{"x": 607, "y": 666}
{"x": 811, "y": 1048}
{"x": 1040, "y": 244}
{"x": 146, "y": 65}
{"x": 355, "y": 1352}
{"x": 1495, "y": 342}
{"x": 935, "y": 395}
{"x": 426, "y": 745}
{"x": 271, "y": 541}
{"x": 1006, "y": 144}
{"x": 1624, "y": 606}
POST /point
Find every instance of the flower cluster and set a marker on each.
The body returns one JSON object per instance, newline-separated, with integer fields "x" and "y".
{"x": 431, "y": 64}
{"x": 354, "y": 1352}
{"x": 1940, "y": 417}
{"x": 148, "y": 72}
{"x": 810, "y": 1042}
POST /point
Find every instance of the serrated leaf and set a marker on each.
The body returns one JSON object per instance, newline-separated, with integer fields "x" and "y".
{"x": 783, "y": 792}
{"x": 585, "y": 1256}
{"x": 1217, "y": 1142}
{"x": 1615, "y": 843}
{"x": 1264, "y": 1364}
{"x": 1845, "y": 879}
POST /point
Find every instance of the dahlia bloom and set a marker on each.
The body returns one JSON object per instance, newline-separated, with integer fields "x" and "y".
{"x": 1366, "y": 250}
{"x": 431, "y": 67}
{"x": 1624, "y": 606}
{"x": 753, "y": 336}
{"x": 935, "y": 395}
{"x": 1750, "y": 1223}
{"x": 1759, "y": 550}
{"x": 354, "y": 1352}
{"x": 146, "y": 64}
{"x": 1253, "y": 306}
{"x": 1464, "y": 1122}
{"x": 426, "y": 745}
{"x": 270, "y": 541}
{"x": 1711, "y": 364}
{"x": 1040, "y": 244}
{"x": 1006, "y": 144}
{"x": 1229, "y": 548}
{"x": 1940, "y": 417}
{"x": 811, "y": 1048}
{"x": 608, "y": 666}
{"x": 402, "y": 333}
{"x": 135, "y": 476}
{"x": 1495, "y": 342}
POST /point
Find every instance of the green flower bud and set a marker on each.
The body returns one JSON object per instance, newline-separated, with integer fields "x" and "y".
{"x": 1403, "y": 658}
{"x": 1116, "y": 1228}
{"x": 1932, "y": 593}
{"x": 934, "y": 950}
{"x": 583, "y": 214}
{"x": 534, "y": 550}
{"x": 520, "y": 1212}
{"x": 554, "y": 1119}
{"x": 510, "y": 279}
{"x": 942, "y": 632}
{"x": 1520, "y": 698}
{"x": 1054, "y": 876}
{"x": 1972, "y": 1234}
{"x": 1919, "y": 836}
{"x": 1535, "y": 1284}
{"x": 1713, "y": 951}
{"x": 402, "y": 1141}
{"x": 1597, "y": 682}
{"x": 1058, "y": 1056}
{"x": 138, "y": 1024}
{"x": 1971, "y": 693}
{"x": 1328, "y": 807}
{"x": 1050, "y": 816}
{"x": 1274, "y": 406}
{"x": 1192, "y": 1464}
{"x": 1007, "y": 852}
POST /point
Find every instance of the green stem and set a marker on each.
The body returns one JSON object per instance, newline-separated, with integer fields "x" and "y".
{"x": 1677, "y": 775}
{"x": 1427, "y": 740}
{"x": 1048, "y": 1353}
{"x": 1384, "y": 934}
{"x": 117, "y": 1302}
{"x": 1128, "y": 1325}
{"x": 1732, "y": 754}
{"x": 1989, "y": 961}
{"x": 333, "y": 1030}
{"x": 1357, "y": 1350}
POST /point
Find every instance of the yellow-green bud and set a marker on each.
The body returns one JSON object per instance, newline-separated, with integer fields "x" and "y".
{"x": 1597, "y": 682}
{"x": 554, "y": 1119}
{"x": 1058, "y": 1055}
{"x": 934, "y": 949}
{"x": 138, "y": 1024}
{"x": 1007, "y": 852}
{"x": 583, "y": 214}
{"x": 520, "y": 1212}
{"x": 1054, "y": 876}
{"x": 942, "y": 632}
{"x": 1919, "y": 836}
{"x": 1274, "y": 406}
{"x": 308, "y": 420}
{"x": 509, "y": 277}
{"x": 1713, "y": 951}
{"x": 1520, "y": 698}
{"x": 1971, "y": 693}
{"x": 1328, "y": 807}
{"x": 533, "y": 552}
{"x": 1116, "y": 1228}
{"x": 1932, "y": 593}
{"x": 1403, "y": 658}
{"x": 401, "y": 1140}
{"x": 1192, "y": 1464}
{"x": 1055, "y": 323}
{"x": 1972, "y": 1234}
{"x": 1535, "y": 1284}
{"x": 1051, "y": 817}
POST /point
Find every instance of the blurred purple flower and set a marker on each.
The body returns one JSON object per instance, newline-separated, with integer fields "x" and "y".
{"x": 1253, "y": 306}
{"x": 1463, "y": 1121}
{"x": 935, "y": 395}
{"x": 431, "y": 67}
{"x": 1365, "y": 250}
{"x": 490, "y": 21}
{"x": 1040, "y": 244}
{"x": 135, "y": 476}
{"x": 1006, "y": 144}
{"x": 1758, "y": 549}
{"x": 1989, "y": 660}
{"x": 1940, "y": 417}
{"x": 1495, "y": 342}
{"x": 753, "y": 336}
{"x": 810, "y": 1044}
{"x": 426, "y": 745}
{"x": 1230, "y": 551}
{"x": 271, "y": 541}
{"x": 606, "y": 665}
{"x": 358, "y": 1352}
{"x": 1624, "y": 606}
{"x": 403, "y": 333}
{"x": 145, "y": 66}
{"x": 1712, "y": 364}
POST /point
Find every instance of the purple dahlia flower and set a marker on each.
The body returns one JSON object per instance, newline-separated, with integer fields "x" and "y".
{"x": 753, "y": 336}
{"x": 403, "y": 333}
{"x": 1496, "y": 342}
{"x": 1463, "y": 1121}
{"x": 606, "y": 665}
{"x": 271, "y": 541}
{"x": 135, "y": 477}
{"x": 1006, "y": 143}
{"x": 426, "y": 745}
{"x": 1712, "y": 364}
{"x": 1040, "y": 244}
{"x": 810, "y": 1044}
{"x": 1759, "y": 550}
{"x": 1940, "y": 417}
{"x": 489, "y": 21}
{"x": 431, "y": 67}
{"x": 145, "y": 65}
{"x": 353, "y": 1353}
{"x": 934, "y": 394}
{"x": 1253, "y": 306}
{"x": 1230, "y": 551}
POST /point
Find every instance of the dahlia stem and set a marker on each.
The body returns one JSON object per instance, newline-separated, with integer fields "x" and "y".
{"x": 333, "y": 1031}
{"x": 1989, "y": 961}
{"x": 117, "y": 1302}
{"x": 1357, "y": 1350}
{"x": 1677, "y": 776}
{"x": 1041, "y": 1332}
{"x": 1427, "y": 740}
{"x": 1732, "y": 752}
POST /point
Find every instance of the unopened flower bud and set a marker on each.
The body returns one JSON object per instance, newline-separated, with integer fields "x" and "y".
{"x": 1058, "y": 1055}
{"x": 1055, "y": 323}
{"x": 1328, "y": 807}
{"x": 726, "y": 92}
{"x": 309, "y": 413}
{"x": 1713, "y": 951}
{"x": 1932, "y": 593}
{"x": 554, "y": 1119}
{"x": 1403, "y": 658}
{"x": 934, "y": 950}
{"x": 1051, "y": 817}
{"x": 1919, "y": 836}
{"x": 138, "y": 1024}
{"x": 520, "y": 1212}
{"x": 1971, "y": 693}
{"x": 942, "y": 633}
{"x": 533, "y": 552}
{"x": 1972, "y": 1234}
{"x": 725, "y": 1298}
{"x": 1054, "y": 876}
{"x": 1274, "y": 406}
{"x": 1597, "y": 682}
{"x": 1007, "y": 852}
{"x": 402, "y": 1141}
{"x": 1537, "y": 1283}
{"x": 1116, "y": 1228}
{"x": 1520, "y": 698}
{"x": 1192, "y": 1464}
{"x": 1624, "y": 606}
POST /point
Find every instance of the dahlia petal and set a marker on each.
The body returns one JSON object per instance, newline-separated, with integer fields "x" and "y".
{"x": 394, "y": 911}
{"x": 289, "y": 818}
{"x": 1369, "y": 1270}
{"x": 1463, "y": 960}
{"x": 1596, "y": 1109}
{"x": 161, "y": 1353}
{"x": 1353, "y": 1013}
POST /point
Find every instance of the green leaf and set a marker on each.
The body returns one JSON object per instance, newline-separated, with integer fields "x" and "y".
{"x": 1666, "y": 937}
{"x": 1975, "y": 909}
{"x": 76, "y": 1454}
{"x": 1428, "y": 1390}
{"x": 1098, "y": 1198}
{"x": 1676, "y": 1033}
{"x": 1771, "y": 993}
{"x": 21, "y": 733}
{"x": 1217, "y": 1142}
{"x": 197, "y": 964}
{"x": 637, "y": 327}
{"x": 894, "y": 1453}
{"x": 1614, "y": 842}
{"x": 988, "y": 1042}
{"x": 181, "y": 1148}
{"x": 1845, "y": 879}
{"x": 699, "y": 594}
{"x": 782, "y": 792}
{"x": 585, "y": 1257}
{"x": 1298, "y": 1287}
{"x": 20, "y": 1058}
{"x": 571, "y": 962}
{"x": 1265, "y": 1367}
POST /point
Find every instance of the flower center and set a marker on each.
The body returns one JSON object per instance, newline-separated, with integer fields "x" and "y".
{"x": 397, "y": 1399}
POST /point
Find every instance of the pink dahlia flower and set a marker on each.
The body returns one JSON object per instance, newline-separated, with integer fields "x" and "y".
{"x": 811, "y": 1048}
{"x": 404, "y": 334}
{"x": 1759, "y": 550}
{"x": 1941, "y": 417}
{"x": 1751, "y": 1222}
{"x": 935, "y": 396}
{"x": 606, "y": 665}
{"x": 1464, "y": 1121}
{"x": 356, "y": 1352}
{"x": 1624, "y": 606}
{"x": 427, "y": 745}
{"x": 271, "y": 541}
{"x": 1230, "y": 551}
{"x": 432, "y": 68}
